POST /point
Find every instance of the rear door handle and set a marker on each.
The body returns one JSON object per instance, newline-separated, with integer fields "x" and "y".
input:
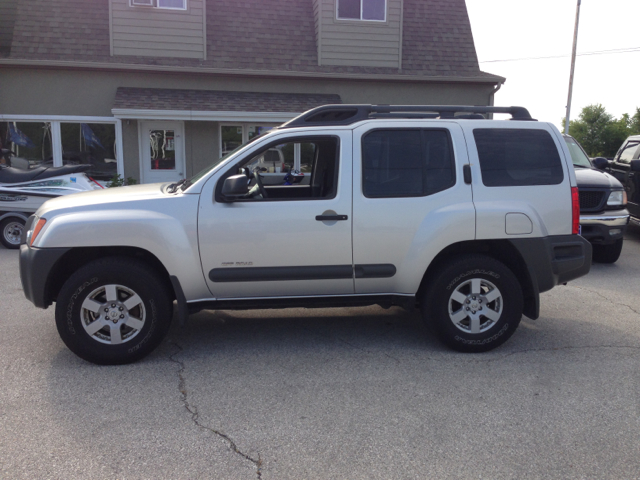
{"x": 331, "y": 218}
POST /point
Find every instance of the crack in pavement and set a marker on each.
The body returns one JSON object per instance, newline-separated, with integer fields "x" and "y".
{"x": 607, "y": 299}
{"x": 193, "y": 411}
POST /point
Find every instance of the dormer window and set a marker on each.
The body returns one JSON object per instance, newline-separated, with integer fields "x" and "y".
{"x": 164, "y": 4}
{"x": 373, "y": 10}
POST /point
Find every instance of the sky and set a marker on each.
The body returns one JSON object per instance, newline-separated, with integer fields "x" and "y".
{"x": 517, "y": 29}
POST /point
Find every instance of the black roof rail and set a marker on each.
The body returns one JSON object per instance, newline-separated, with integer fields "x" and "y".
{"x": 348, "y": 114}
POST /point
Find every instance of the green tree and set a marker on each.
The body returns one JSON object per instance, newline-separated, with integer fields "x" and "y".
{"x": 599, "y": 133}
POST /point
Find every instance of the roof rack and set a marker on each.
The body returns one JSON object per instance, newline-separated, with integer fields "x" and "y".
{"x": 348, "y": 114}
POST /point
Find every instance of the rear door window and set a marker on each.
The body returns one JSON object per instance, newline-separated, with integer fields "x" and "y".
{"x": 517, "y": 157}
{"x": 407, "y": 162}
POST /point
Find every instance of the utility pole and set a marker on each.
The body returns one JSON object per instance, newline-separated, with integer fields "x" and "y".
{"x": 573, "y": 68}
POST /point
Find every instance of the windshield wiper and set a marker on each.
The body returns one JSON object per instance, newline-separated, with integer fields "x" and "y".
{"x": 580, "y": 165}
{"x": 173, "y": 188}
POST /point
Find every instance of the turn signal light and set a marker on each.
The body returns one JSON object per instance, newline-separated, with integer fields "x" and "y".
{"x": 36, "y": 230}
{"x": 575, "y": 207}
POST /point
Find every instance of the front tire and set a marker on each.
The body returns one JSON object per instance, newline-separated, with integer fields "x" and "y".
{"x": 11, "y": 231}
{"x": 473, "y": 304}
{"x": 607, "y": 253}
{"x": 113, "y": 311}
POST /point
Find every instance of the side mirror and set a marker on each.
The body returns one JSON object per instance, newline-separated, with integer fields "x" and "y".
{"x": 635, "y": 165}
{"x": 235, "y": 187}
{"x": 600, "y": 163}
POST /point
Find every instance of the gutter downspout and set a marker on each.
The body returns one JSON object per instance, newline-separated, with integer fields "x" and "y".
{"x": 492, "y": 97}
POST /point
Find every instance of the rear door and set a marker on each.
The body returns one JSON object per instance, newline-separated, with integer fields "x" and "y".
{"x": 522, "y": 179}
{"x": 409, "y": 201}
{"x": 621, "y": 169}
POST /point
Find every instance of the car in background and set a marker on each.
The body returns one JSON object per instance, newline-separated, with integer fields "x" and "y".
{"x": 625, "y": 166}
{"x": 603, "y": 200}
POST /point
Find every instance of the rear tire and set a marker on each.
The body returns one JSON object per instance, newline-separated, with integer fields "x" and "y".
{"x": 607, "y": 253}
{"x": 11, "y": 232}
{"x": 113, "y": 311}
{"x": 474, "y": 304}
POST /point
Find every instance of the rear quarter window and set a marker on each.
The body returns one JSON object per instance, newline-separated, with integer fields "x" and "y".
{"x": 517, "y": 157}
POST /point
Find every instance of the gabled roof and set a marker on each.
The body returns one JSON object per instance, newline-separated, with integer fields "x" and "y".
{"x": 279, "y": 36}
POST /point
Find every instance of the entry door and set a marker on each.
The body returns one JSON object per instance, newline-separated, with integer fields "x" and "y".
{"x": 294, "y": 242}
{"x": 162, "y": 152}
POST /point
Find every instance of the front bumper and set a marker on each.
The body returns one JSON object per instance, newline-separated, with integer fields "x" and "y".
{"x": 604, "y": 228}
{"x": 36, "y": 265}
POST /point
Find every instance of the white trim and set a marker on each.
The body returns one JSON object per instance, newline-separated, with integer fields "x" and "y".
{"x": 386, "y": 5}
{"x": 56, "y": 138}
{"x": 59, "y": 118}
{"x": 210, "y": 116}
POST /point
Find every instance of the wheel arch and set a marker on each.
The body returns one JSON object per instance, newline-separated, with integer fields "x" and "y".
{"x": 503, "y": 251}
{"x": 80, "y": 256}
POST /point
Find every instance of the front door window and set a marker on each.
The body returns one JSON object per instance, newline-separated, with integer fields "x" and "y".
{"x": 162, "y": 149}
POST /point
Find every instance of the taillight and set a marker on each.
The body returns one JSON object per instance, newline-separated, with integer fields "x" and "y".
{"x": 36, "y": 230}
{"x": 575, "y": 207}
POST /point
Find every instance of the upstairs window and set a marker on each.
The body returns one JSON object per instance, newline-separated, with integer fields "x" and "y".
{"x": 375, "y": 10}
{"x": 164, "y": 4}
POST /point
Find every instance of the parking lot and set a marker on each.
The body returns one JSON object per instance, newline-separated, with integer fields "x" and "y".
{"x": 332, "y": 394}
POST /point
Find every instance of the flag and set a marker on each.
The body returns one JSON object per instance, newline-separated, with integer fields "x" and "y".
{"x": 90, "y": 138}
{"x": 19, "y": 138}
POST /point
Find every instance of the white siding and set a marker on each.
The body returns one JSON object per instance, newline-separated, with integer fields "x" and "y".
{"x": 152, "y": 32}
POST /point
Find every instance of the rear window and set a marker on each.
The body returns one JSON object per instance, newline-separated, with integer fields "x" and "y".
{"x": 517, "y": 157}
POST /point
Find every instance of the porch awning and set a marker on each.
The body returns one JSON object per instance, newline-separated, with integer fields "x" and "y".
{"x": 214, "y": 105}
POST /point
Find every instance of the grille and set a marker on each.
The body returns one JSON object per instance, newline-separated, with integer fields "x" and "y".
{"x": 590, "y": 200}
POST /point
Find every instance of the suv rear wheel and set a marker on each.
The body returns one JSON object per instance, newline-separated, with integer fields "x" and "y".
{"x": 113, "y": 311}
{"x": 474, "y": 304}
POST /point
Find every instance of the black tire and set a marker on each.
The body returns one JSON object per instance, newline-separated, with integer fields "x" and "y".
{"x": 11, "y": 232}
{"x": 123, "y": 339}
{"x": 607, "y": 253}
{"x": 456, "y": 278}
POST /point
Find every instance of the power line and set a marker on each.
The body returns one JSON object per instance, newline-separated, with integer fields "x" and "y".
{"x": 600, "y": 52}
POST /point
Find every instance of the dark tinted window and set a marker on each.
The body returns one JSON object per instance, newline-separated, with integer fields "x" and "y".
{"x": 628, "y": 152}
{"x": 407, "y": 163}
{"x": 514, "y": 157}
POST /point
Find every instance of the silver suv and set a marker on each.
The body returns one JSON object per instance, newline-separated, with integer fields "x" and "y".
{"x": 428, "y": 207}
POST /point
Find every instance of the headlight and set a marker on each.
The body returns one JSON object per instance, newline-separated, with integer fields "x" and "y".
{"x": 30, "y": 231}
{"x": 617, "y": 198}
{"x": 34, "y": 230}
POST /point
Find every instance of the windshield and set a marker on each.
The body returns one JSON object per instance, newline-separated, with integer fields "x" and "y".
{"x": 202, "y": 173}
{"x": 580, "y": 159}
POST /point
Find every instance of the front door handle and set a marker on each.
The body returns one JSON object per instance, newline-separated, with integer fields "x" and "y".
{"x": 331, "y": 218}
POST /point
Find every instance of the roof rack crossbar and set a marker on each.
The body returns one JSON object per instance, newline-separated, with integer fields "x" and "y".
{"x": 337, "y": 115}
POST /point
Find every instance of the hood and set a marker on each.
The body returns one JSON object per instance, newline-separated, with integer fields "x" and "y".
{"x": 105, "y": 199}
{"x": 590, "y": 177}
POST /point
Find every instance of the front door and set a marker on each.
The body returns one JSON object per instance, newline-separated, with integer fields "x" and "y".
{"x": 162, "y": 152}
{"x": 288, "y": 238}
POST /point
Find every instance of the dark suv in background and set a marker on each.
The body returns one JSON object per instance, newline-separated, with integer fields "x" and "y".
{"x": 603, "y": 201}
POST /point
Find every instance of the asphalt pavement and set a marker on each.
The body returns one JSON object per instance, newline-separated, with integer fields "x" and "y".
{"x": 346, "y": 393}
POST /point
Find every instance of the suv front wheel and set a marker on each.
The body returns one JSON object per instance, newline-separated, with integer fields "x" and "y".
{"x": 113, "y": 311}
{"x": 474, "y": 304}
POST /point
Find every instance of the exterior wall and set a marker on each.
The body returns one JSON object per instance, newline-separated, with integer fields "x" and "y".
{"x": 356, "y": 42}
{"x": 202, "y": 145}
{"x": 84, "y": 93}
{"x": 153, "y": 32}
{"x": 130, "y": 149}
{"x": 8, "y": 10}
